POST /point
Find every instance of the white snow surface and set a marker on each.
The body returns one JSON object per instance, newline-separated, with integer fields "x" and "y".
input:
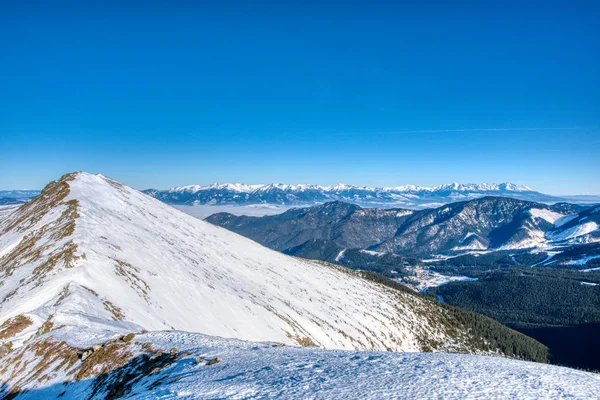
{"x": 545, "y": 240}
{"x": 546, "y": 215}
{"x": 373, "y": 253}
{"x": 574, "y": 232}
{"x": 6, "y": 210}
{"x": 340, "y": 255}
{"x": 164, "y": 269}
{"x": 258, "y": 370}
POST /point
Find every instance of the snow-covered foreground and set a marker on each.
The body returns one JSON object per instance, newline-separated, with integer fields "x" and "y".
{"x": 251, "y": 370}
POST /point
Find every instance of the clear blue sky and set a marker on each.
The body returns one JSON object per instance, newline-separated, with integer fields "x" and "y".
{"x": 363, "y": 93}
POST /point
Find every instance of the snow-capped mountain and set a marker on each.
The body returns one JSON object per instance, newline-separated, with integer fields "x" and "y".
{"x": 490, "y": 223}
{"x": 283, "y": 196}
{"x": 91, "y": 251}
{"x": 88, "y": 244}
{"x": 410, "y": 196}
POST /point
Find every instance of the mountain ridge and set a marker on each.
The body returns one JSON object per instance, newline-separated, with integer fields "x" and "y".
{"x": 286, "y": 196}
{"x": 283, "y": 194}
{"x": 247, "y": 188}
{"x": 89, "y": 250}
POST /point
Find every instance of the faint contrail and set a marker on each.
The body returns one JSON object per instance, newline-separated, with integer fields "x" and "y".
{"x": 458, "y": 130}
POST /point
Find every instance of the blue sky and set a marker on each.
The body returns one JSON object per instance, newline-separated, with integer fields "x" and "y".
{"x": 363, "y": 93}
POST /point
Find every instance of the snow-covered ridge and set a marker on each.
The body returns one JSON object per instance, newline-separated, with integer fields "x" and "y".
{"x": 92, "y": 252}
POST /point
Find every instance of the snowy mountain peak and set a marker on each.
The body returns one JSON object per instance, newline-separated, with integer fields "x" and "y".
{"x": 410, "y": 196}
{"x": 240, "y": 187}
{"x": 89, "y": 251}
{"x": 406, "y": 188}
{"x": 515, "y": 188}
{"x": 481, "y": 187}
{"x": 235, "y": 187}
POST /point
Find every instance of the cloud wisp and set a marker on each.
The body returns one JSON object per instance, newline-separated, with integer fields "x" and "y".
{"x": 455, "y": 131}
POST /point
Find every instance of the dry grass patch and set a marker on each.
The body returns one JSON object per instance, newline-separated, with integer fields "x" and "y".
{"x": 32, "y": 212}
{"x": 29, "y": 250}
{"x": 46, "y": 326}
{"x": 116, "y": 312}
{"x": 130, "y": 273}
{"x": 303, "y": 341}
{"x": 112, "y": 367}
{"x": 14, "y": 325}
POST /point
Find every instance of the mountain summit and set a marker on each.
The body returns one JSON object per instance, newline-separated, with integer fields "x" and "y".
{"x": 90, "y": 251}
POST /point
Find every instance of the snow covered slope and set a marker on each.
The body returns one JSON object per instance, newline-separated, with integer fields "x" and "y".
{"x": 92, "y": 252}
{"x": 172, "y": 364}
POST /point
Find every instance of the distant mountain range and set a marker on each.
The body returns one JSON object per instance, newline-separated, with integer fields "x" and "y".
{"x": 514, "y": 231}
{"x": 414, "y": 197}
{"x": 410, "y": 196}
{"x": 10, "y": 197}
